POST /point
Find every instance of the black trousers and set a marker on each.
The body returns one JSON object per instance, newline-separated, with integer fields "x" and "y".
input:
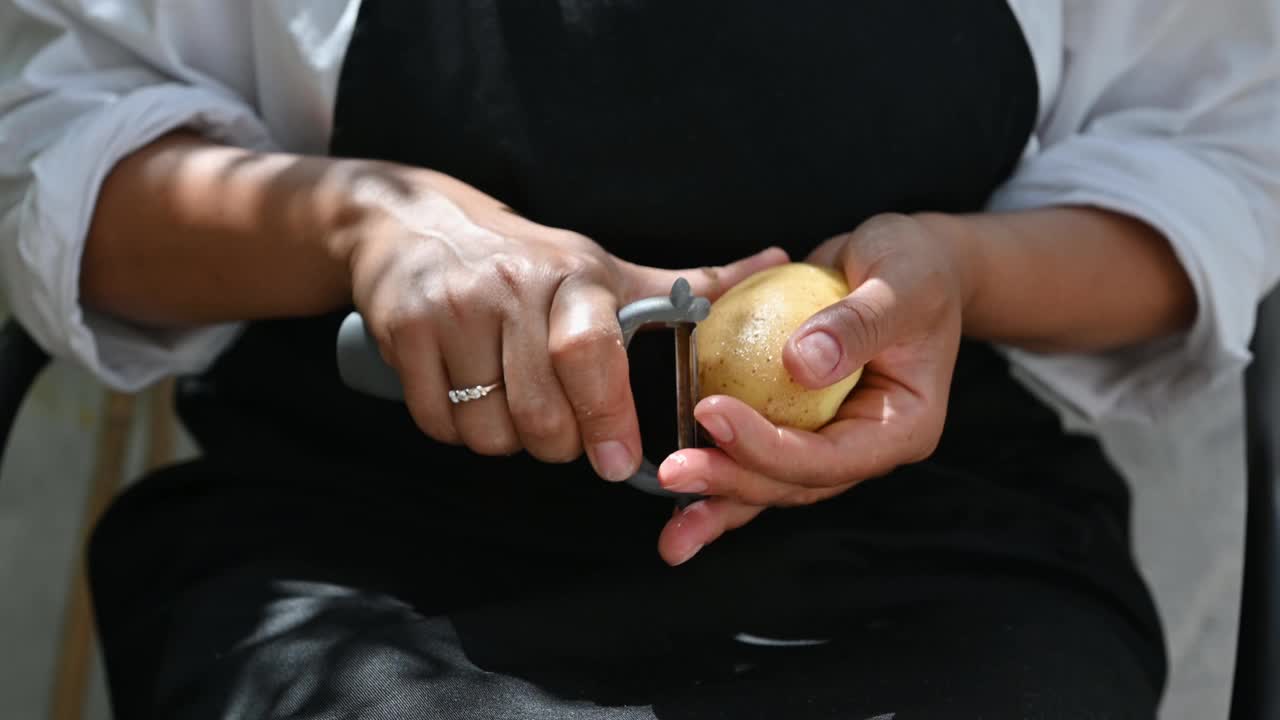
{"x": 992, "y": 581}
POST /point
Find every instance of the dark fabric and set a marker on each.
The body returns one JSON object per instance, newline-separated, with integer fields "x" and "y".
{"x": 324, "y": 559}
{"x": 964, "y": 586}
{"x": 676, "y": 134}
{"x": 21, "y": 361}
{"x": 1255, "y": 692}
{"x": 690, "y": 131}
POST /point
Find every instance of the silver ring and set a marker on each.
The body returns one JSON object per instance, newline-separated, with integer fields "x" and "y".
{"x": 462, "y": 395}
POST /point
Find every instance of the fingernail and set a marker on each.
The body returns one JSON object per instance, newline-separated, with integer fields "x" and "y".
{"x": 683, "y": 558}
{"x": 671, "y": 473}
{"x": 820, "y": 352}
{"x": 718, "y": 427}
{"x": 613, "y": 460}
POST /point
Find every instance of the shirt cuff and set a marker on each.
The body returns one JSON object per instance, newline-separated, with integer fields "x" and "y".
{"x": 53, "y": 221}
{"x": 1208, "y": 222}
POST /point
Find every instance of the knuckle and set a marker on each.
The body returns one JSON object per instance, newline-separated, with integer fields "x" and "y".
{"x": 559, "y": 452}
{"x": 761, "y": 493}
{"x": 881, "y": 231}
{"x": 936, "y": 293}
{"x": 493, "y": 444}
{"x": 877, "y": 238}
{"x": 542, "y": 420}
{"x": 807, "y": 496}
{"x": 463, "y": 297}
{"x": 514, "y": 272}
{"x": 714, "y": 277}
{"x": 433, "y": 297}
{"x": 556, "y": 454}
{"x": 812, "y": 479}
{"x": 603, "y": 425}
{"x": 583, "y": 346}
{"x": 389, "y": 332}
{"x": 390, "y": 320}
{"x": 565, "y": 265}
{"x": 603, "y": 417}
{"x": 399, "y": 332}
{"x": 860, "y": 321}
{"x": 431, "y": 422}
{"x": 456, "y": 301}
{"x": 574, "y": 265}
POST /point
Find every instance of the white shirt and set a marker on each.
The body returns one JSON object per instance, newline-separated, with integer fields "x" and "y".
{"x": 1166, "y": 110}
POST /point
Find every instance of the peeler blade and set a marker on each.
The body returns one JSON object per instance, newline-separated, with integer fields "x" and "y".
{"x": 686, "y": 384}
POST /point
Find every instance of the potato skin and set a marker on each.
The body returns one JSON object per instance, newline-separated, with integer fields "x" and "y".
{"x": 740, "y": 344}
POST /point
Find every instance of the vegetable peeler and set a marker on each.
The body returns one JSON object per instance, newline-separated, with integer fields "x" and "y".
{"x": 362, "y": 368}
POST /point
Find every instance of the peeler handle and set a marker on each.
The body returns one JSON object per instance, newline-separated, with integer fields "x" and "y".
{"x": 361, "y": 367}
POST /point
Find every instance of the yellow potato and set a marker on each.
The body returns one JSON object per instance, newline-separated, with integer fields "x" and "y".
{"x": 740, "y": 344}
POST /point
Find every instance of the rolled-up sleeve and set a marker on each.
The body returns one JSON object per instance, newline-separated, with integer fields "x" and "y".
{"x": 107, "y": 84}
{"x": 1168, "y": 112}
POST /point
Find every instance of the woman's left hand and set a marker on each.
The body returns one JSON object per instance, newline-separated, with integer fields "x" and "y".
{"x": 902, "y": 320}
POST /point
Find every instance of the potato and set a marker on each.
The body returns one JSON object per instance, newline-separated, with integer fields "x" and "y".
{"x": 740, "y": 344}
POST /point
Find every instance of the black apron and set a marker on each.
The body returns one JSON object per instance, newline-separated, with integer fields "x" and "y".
{"x": 675, "y": 134}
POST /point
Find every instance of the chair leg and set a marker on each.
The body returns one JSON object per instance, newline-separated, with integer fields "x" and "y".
{"x": 162, "y": 425}
{"x": 71, "y": 679}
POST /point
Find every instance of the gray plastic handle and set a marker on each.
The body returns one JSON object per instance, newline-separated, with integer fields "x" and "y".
{"x": 361, "y": 367}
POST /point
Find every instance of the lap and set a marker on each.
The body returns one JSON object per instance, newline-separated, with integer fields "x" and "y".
{"x": 320, "y": 651}
{"x": 222, "y": 598}
{"x": 335, "y": 566}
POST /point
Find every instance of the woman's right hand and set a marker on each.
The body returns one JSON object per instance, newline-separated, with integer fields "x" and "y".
{"x": 459, "y": 291}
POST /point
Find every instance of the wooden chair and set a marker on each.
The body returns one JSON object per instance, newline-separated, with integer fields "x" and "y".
{"x": 21, "y": 361}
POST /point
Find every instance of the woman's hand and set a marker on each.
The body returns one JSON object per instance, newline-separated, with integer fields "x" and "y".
{"x": 457, "y": 289}
{"x": 460, "y": 291}
{"x": 902, "y": 320}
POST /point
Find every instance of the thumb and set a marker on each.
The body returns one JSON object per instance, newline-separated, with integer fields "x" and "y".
{"x": 842, "y": 337}
{"x": 709, "y": 282}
